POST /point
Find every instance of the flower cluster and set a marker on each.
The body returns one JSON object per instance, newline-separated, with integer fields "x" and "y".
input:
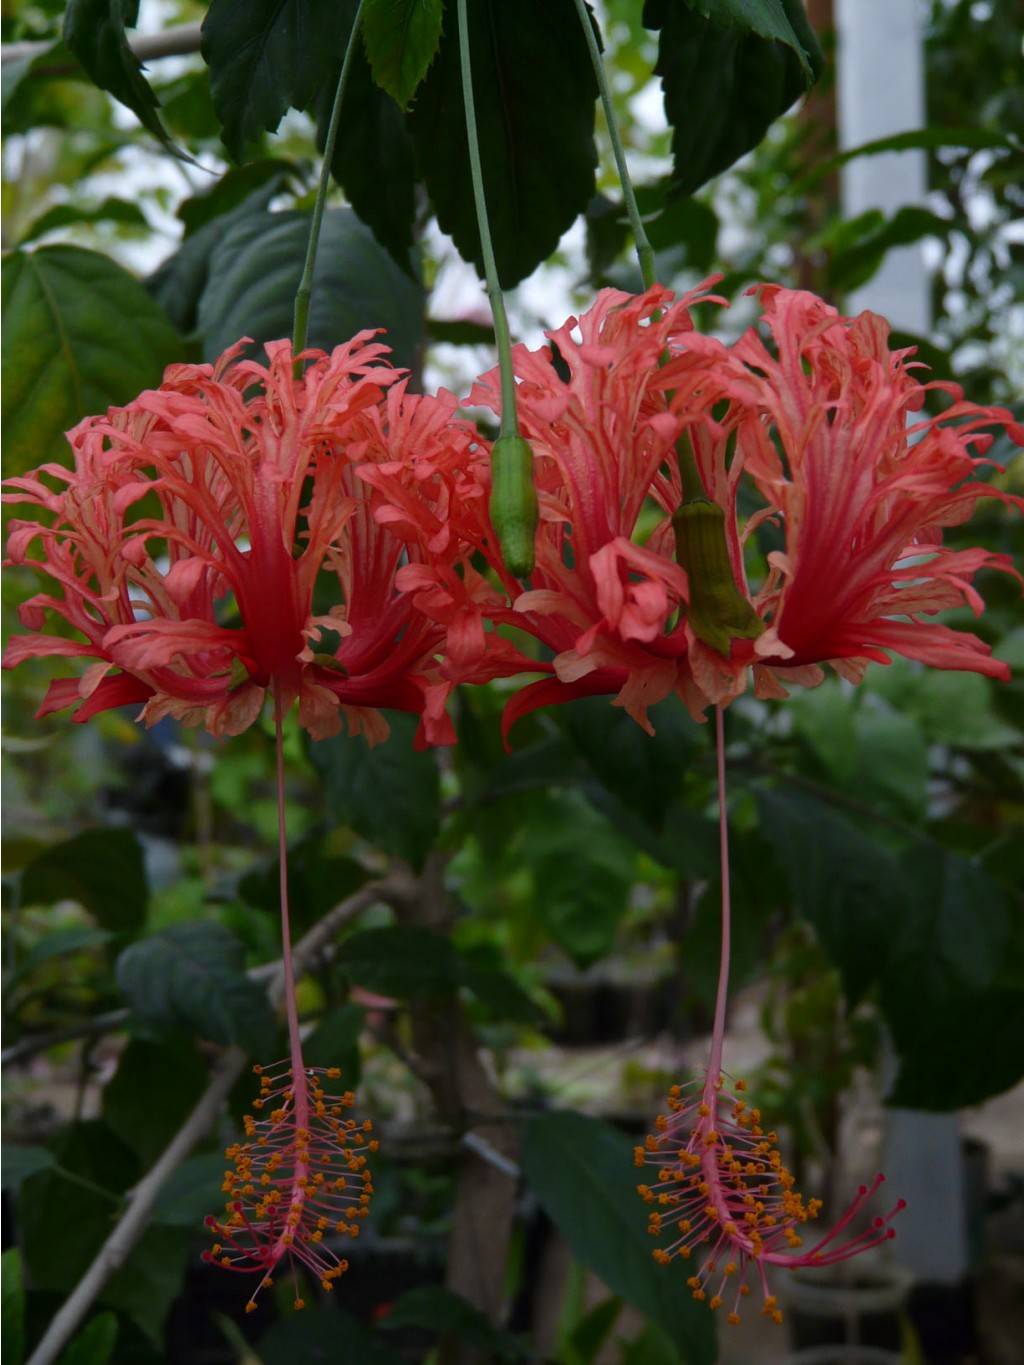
{"x": 300, "y": 1181}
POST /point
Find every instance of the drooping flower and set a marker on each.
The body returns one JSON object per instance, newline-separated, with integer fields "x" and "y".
{"x": 720, "y": 1194}
{"x": 299, "y": 1182}
{"x": 641, "y": 450}
{"x": 198, "y": 532}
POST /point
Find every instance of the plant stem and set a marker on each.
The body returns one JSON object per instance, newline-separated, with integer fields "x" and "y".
{"x": 644, "y": 251}
{"x": 722, "y": 997}
{"x": 304, "y": 293}
{"x": 503, "y": 339}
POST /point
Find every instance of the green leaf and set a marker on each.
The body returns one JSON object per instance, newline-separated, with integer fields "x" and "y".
{"x": 254, "y": 270}
{"x": 374, "y": 160}
{"x": 191, "y": 1192}
{"x": 94, "y": 30}
{"x": 534, "y": 91}
{"x": 957, "y": 709}
{"x": 12, "y": 1302}
{"x": 441, "y": 1310}
{"x": 80, "y": 1196}
{"x": 335, "y": 1042}
{"x": 103, "y": 870}
{"x": 402, "y": 38}
{"x": 317, "y": 881}
{"x": 855, "y": 262}
{"x": 845, "y": 884}
{"x": 178, "y": 284}
{"x": 646, "y": 775}
{"x": 150, "y": 1280}
{"x": 963, "y": 1054}
{"x": 151, "y": 1094}
{"x": 239, "y": 186}
{"x": 111, "y": 210}
{"x": 95, "y": 1343}
{"x": 404, "y": 960}
{"x": 190, "y": 977}
{"x": 593, "y": 1330}
{"x": 499, "y": 993}
{"x": 269, "y": 56}
{"x": 582, "y": 870}
{"x": 390, "y": 794}
{"x": 727, "y": 73}
{"x": 61, "y": 942}
{"x": 20, "y": 1163}
{"x": 582, "y": 1172}
{"x": 324, "y": 1338}
{"x": 79, "y": 334}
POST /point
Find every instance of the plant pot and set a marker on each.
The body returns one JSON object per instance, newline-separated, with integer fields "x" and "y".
{"x": 858, "y": 1312}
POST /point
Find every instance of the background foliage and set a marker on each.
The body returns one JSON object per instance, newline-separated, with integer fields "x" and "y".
{"x": 877, "y": 872}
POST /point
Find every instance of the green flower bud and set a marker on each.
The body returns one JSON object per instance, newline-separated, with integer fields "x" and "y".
{"x": 718, "y": 612}
{"x": 513, "y": 505}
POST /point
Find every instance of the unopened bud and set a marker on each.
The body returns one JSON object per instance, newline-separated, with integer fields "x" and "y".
{"x": 513, "y": 506}
{"x": 717, "y": 611}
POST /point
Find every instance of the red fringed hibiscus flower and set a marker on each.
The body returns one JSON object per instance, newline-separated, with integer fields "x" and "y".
{"x": 818, "y": 423}
{"x": 187, "y": 542}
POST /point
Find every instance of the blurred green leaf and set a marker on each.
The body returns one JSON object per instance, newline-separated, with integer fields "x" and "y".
{"x": 440, "y": 1310}
{"x": 964, "y": 1053}
{"x": 390, "y": 794}
{"x": 401, "y": 38}
{"x": 79, "y": 334}
{"x": 403, "y": 960}
{"x": 190, "y": 977}
{"x": 317, "y": 881}
{"x": 335, "y": 1042}
{"x": 582, "y": 1172}
{"x": 12, "y": 1302}
{"x": 324, "y": 1338}
{"x": 191, "y": 1192}
{"x": 19, "y": 1163}
{"x": 111, "y": 210}
{"x": 149, "y": 1281}
{"x": 103, "y": 870}
{"x": 534, "y": 91}
{"x": 266, "y": 57}
{"x": 152, "y": 1092}
{"x": 58, "y": 944}
{"x": 95, "y": 1343}
{"x": 254, "y": 270}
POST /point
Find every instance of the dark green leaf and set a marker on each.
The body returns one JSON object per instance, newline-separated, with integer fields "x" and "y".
{"x": 151, "y": 1094}
{"x": 190, "y": 977}
{"x": 404, "y": 961}
{"x": 402, "y": 38}
{"x": 79, "y": 334}
{"x": 591, "y": 1333}
{"x": 726, "y": 77}
{"x": 238, "y": 186}
{"x": 440, "y": 1310}
{"x": 19, "y": 1163}
{"x": 582, "y": 872}
{"x": 645, "y": 774}
{"x": 254, "y": 270}
{"x": 498, "y": 992}
{"x": 316, "y": 882}
{"x": 84, "y": 1213}
{"x": 325, "y": 1338}
{"x": 269, "y": 56}
{"x": 534, "y": 91}
{"x": 12, "y": 1302}
{"x": 856, "y": 262}
{"x": 178, "y": 284}
{"x": 335, "y": 1042}
{"x": 582, "y": 1172}
{"x": 389, "y": 794}
{"x": 150, "y": 1280}
{"x": 102, "y": 869}
{"x": 845, "y": 884}
{"x": 191, "y": 1192}
{"x": 917, "y": 139}
{"x": 964, "y": 1053}
{"x": 374, "y": 161}
{"x": 95, "y": 1343}
{"x": 66, "y": 215}
{"x": 94, "y": 30}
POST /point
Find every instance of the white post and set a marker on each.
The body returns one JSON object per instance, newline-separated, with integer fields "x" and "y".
{"x": 880, "y": 90}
